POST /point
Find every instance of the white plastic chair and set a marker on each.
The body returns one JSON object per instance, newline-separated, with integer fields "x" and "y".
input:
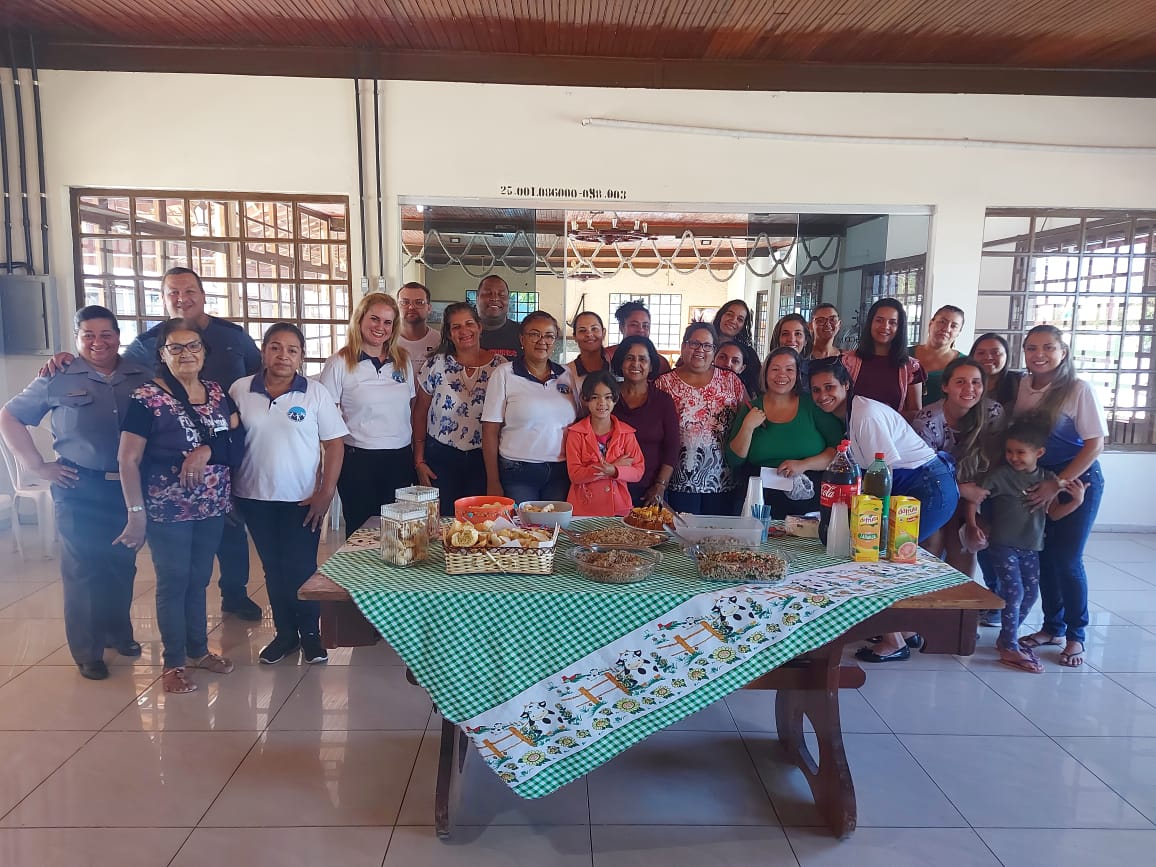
{"x": 30, "y": 487}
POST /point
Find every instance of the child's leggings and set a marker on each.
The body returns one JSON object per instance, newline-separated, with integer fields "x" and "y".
{"x": 1017, "y": 573}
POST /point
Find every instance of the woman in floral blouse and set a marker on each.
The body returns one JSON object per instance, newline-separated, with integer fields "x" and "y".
{"x": 447, "y": 421}
{"x": 177, "y": 489}
{"x": 707, "y": 399}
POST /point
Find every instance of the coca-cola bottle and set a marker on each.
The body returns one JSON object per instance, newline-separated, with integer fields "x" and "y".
{"x": 840, "y": 483}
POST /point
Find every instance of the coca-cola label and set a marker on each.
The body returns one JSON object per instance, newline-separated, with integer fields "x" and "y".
{"x": 831, "y": 493}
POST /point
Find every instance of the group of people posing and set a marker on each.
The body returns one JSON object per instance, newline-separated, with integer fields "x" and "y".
{"x": 196, "y": 432}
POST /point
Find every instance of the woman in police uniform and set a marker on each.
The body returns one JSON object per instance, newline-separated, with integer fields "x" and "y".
{"x": 87, "y": 401}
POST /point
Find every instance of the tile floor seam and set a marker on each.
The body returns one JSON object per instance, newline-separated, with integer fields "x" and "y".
{"x": 232, "y": 774}
{"x": 184, "y": 843}
{"x": 749, "y": 750}
{"x": 1105, "y": 783}
{"x": 48, "y": 776}
{"x": 935, "y": 782}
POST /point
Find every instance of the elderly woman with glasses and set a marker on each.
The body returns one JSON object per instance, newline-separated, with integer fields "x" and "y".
{"x": 178, "y": 488}
{"x": 706, "y": 399}
{"x": 529, "y": 404}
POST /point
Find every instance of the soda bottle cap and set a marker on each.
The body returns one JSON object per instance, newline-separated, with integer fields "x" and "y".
{"x": 880, "y": 456}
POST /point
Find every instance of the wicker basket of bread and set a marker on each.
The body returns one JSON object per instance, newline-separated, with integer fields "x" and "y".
{"x": 497, "y": 546}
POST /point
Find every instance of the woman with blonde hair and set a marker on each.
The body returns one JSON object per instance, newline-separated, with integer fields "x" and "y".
{"x": 372, "y": 382}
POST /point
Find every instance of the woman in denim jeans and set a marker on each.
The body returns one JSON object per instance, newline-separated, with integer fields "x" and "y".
{"x": 178, "y": 490}
{"x": 528, "y": 407}
{"x": 917, "y": 470}
{"x": 1053, "y": 394}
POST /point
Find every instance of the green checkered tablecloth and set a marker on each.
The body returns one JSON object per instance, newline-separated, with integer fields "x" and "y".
{"x": 552, "y": 675}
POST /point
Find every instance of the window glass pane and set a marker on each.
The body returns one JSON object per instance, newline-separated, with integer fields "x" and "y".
{"x": 215, "y": 258}
{"x": 265, "y": 261}
{"x": 156, "y": 257}
{"x": 154, "y": 299}
{"x": 324, "y": 262}
{"x": 164, "y": 217}
{"x": 104, "y": 215}
{"x": 111, "y": 256}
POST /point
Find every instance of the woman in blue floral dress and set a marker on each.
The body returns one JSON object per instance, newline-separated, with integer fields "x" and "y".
{"x": 177, "y": 489}
{"x": 447, "y": 423}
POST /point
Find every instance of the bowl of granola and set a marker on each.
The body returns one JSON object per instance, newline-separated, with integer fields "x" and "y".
{"x": 614, "y": 565}
{"x": 618, "y": 536}
{"x": 739, "y": 564}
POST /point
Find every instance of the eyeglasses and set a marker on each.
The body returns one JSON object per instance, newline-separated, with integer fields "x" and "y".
{"x": 175, "y": 349}
{"x": 539, "y": 337}
{"x": 696, "y": 346}
{"x": 419, "y": 303}
{"x": 825, "y": 320}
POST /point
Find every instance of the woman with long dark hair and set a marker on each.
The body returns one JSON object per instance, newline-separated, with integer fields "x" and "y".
{"x": 590, "y": 335}
{"x": 733, "y": 322}
{"x": 965, "y": 424}
{"x": 447, "y": 417}
{"x": 880, "y": 366}
{"x": 792, "y": 331}
{"x": 1053, "y": 394}
{"x": 991, "y": 352}
{"x": 917, "y": 470}
{"x": 651, "y": 413}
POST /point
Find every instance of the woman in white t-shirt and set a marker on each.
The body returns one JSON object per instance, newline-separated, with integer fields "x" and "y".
{"x": 1068, "y": 407}
{"x": 917, "y": 470}
{"x": 373, "y": 383}
{"x": 528, "y": 407}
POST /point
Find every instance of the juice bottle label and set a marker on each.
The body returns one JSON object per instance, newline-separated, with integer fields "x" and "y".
{"x": 903, "y": 530}
{"x": 866, "y": 527}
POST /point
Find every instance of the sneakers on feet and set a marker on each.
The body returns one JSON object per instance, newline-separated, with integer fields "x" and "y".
{"x": 277, "y": 649}
{"x": 312, "y": 651}
{"x": 212, "y": 662}
{"x": 245, "y": 608}
{"x": 127, "y": 648}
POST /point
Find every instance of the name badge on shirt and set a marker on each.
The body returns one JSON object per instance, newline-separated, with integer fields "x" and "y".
{"x": 220, "y": 425}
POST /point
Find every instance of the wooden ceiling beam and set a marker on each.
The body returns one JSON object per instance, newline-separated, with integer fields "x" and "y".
{"x": 574, "y": 71}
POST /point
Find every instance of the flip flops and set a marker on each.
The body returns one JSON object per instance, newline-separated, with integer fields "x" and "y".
{"x": 1021, "y": 659}
{"x": 1074, "y": 659}
{"x": 1032, "y": 642}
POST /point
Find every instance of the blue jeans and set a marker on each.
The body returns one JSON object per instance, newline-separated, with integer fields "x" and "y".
{"x": 934, "y": 485}
{"x": 288, "y": 553}
{"x": 97, "y": 575}
{"x": 1063, "y": 581}
{"x": 233, "y": 558}
{"x": 522, "y": 480}
{"x": 183, "y": 553}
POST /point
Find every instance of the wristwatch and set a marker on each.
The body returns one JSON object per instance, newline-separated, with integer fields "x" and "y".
{"x": 135, "y": 508}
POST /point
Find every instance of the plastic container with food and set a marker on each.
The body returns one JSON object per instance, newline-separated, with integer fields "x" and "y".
{"x": 739, "y": 564}
{"x": 546, "y": 513}
{"x": 618, "y": 536}
{"x": 479, "y": 509}
{"x": 720, "y": 528}
{"x": 614, "y": 565}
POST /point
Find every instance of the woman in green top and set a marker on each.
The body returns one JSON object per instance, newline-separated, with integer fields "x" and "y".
{"x": 938, "y": 351}
{"x": 785, "y": 430}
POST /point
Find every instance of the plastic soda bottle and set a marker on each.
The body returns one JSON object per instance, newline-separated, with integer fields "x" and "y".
{"x": 877, "y": 483}
{"x": 839, "y": 484}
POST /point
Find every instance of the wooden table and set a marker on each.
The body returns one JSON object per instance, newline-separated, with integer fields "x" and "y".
{"x": 808, "y": 686}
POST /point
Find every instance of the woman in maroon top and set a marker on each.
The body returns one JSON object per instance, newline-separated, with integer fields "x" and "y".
{"x": 880, "y": 367}
{"x": 650, "y": 412}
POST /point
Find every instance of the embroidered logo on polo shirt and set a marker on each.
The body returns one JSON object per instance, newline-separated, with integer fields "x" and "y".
{"x": 296, "y": 413}
{"x": 397, "y": 377}
{"x": 563, "y": 388}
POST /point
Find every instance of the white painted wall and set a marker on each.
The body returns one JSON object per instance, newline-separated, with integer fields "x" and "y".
{"x": 463, "y": 142}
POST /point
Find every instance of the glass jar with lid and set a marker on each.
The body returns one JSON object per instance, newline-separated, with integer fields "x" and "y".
{"x": 404, "y": 533}
{"x": 429, "y": 499}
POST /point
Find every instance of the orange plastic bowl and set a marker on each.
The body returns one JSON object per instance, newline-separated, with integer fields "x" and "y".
{"x": 478, "y": 509}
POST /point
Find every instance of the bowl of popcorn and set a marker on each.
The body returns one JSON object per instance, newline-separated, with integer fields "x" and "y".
{"x": 546, "y": 513}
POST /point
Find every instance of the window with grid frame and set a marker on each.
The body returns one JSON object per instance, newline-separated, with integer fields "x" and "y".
{"x": 901, "y": 279}
{"x": 262, "y": 258}
{"x": 1093, "y": 276}
{"x": 762, "y": 320}
{"x": 521, "y": 303}
{"x": 800, "y": 295}
{"x": 665, "y": 319}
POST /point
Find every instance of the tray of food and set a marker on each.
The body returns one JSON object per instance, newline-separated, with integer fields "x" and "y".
{"x": 720, "y": 529}
{"x": 614, "y": 565}
{"x": 498, "y": 546}
{"x": 649, "y": 518}
{"x": 618, "y": 536}
{"x": 739, "y": 564}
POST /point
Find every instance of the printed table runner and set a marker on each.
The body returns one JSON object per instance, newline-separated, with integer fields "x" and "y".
{"x": 552, "y": 675}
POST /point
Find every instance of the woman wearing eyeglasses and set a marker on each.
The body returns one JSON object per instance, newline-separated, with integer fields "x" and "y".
{"x": 177, "y": 489}
{"x": 707, "y": 400}
{"x": 528, "y": 407}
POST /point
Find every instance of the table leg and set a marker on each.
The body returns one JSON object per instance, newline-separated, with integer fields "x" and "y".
{"x": 829, "y": 777}
{"x": 452, "y": 756}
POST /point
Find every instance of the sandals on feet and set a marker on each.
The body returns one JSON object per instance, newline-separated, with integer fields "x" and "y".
{"x": 1073, "y": 658}
{"x": 1041, "y": 639}
{"x": 1023, "y": 660}
{"x": 175, "y": 681}
{"x": 212, "y": 662}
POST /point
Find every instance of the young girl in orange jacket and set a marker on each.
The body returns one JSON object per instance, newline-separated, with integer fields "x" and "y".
{"x": 602, "y": 453}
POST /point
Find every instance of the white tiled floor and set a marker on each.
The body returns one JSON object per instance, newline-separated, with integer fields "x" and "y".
{"x": 956, "y": 761}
